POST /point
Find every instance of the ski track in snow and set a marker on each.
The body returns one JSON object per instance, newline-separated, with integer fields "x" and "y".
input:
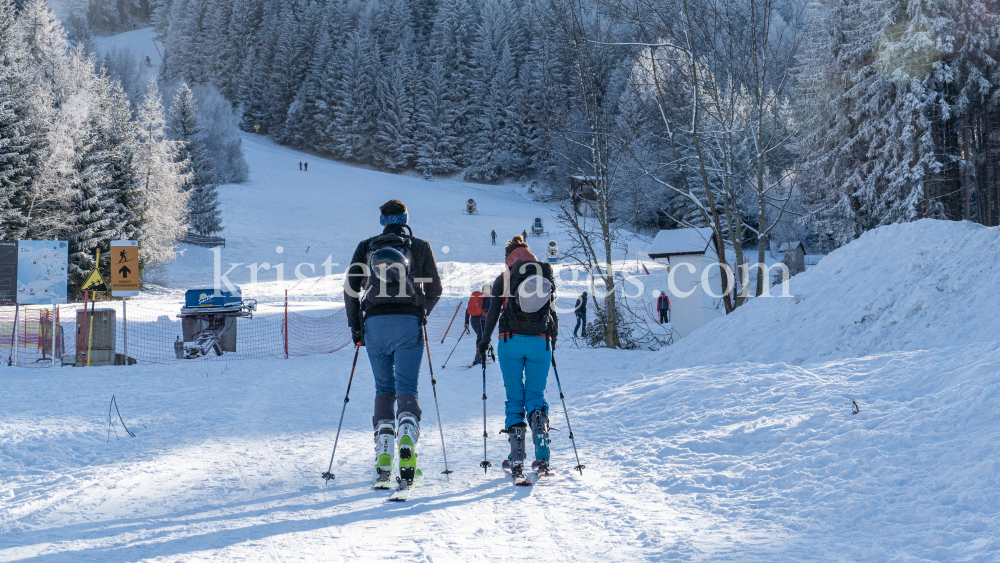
{"x": 711, "y": 450}
{"x": 708, "y": 463}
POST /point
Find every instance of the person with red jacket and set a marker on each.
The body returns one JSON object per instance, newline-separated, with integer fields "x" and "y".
{"x": 475, "y": 314}
{"x": 663, "y": 307}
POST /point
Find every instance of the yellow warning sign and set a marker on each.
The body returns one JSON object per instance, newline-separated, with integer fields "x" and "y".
{"x": 124, "y": 268}
{"x": 95, "y": 282}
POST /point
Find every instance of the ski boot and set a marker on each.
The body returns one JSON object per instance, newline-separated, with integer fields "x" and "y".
{"x": 409, "y": 433}
{"x": 515, "y": 462}
{"x": 540, "y": 434}
{"x": 385, "y": 435}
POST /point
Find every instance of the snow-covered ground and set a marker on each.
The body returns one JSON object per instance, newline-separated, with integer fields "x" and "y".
{"x": 737, "y": 444}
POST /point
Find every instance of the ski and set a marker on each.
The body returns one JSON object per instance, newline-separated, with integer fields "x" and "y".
{"x": 546, "y": 472}
{"x": 402, "y": 493}
{"x": 382, "y": 484}
{"x": 522, "y": 481}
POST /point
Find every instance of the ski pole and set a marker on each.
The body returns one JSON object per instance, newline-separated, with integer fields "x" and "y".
{"x": 436, "y": 407}
{"x": 485, "y": 464}
{"x": 455, "y": 348}
{"x": 329, "y": 472}
{"x": 452, "y": 321}
{"x": 579, "y": 466}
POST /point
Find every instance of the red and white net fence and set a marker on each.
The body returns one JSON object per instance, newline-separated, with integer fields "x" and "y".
{"x": 147, "y": 332}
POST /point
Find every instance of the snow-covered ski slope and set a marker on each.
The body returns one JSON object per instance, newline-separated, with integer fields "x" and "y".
{"x": 321, "y": 215}
{"x": 737, "y": 444}
{"x": 915, "y": 286}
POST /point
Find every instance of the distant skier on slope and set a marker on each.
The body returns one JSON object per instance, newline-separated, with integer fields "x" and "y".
{"x": 306, "y": 164}
{"x": 493, "y": 237}
{"x": 300, "y": 166}
{"x": 663, "y": 307}
{"x": 581, "y": 314}
{"x": 522, "y": 304}
{"x": 475, "y": 314}
{"x": 390, "y": 288}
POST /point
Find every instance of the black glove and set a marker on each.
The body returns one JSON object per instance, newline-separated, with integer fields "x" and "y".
{"x": 358, "y": 336}
{"x": 484, "y": 345}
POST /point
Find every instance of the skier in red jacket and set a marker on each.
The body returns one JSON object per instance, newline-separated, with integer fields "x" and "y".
{"x": 475, "y": 314}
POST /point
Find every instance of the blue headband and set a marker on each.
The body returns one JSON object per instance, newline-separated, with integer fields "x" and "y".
{"x": 392, "y": 219}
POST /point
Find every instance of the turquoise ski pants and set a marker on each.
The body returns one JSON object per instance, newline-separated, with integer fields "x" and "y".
{"x": 524, "y": 362}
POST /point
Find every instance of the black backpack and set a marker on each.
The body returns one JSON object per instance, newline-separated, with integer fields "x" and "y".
{"x": 531, "y": 322}
{"x": 375, "y": 292}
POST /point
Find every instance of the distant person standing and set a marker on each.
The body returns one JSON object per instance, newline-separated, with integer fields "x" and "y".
{"x": 524, "y": 234}
{"x": 581, "y": 314}
{"x": 307, "y": 167}
{"x": 300, "y": 166}
{"x": 493, "y": 236}
{"x": 663, "y": 307}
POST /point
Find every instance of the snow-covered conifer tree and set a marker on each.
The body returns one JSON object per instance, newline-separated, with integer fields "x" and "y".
{"x": 163, "y": 178}
{"x": 15, "y": 139}
{"x": 204, "y": 215}
{"x": 392, "y": 145}
{"x": 437, "y": 144}
{"x": 357, "y": 110}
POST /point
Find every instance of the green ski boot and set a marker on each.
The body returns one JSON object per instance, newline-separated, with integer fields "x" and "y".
{"x": 385, "y": 435}
{"x": 408, "y": 434}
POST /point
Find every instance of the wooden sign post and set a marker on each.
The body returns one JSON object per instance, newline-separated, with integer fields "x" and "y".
{"x": 124, "y": 279}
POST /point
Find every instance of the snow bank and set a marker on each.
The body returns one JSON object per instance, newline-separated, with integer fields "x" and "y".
{"x": 915, "y": 286}
{"x": 775, "y": 450}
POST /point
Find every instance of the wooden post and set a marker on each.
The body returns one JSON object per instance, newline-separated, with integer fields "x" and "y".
{"x": 13, "y": 337}
{"x": 90, "y": 337}
{"x": 55, "y": 328}
{"x": 86, "y": 323}
{"x": 125, "y": 331}
{"x": 452, "y": 321}
{"x": 286, "y": 324}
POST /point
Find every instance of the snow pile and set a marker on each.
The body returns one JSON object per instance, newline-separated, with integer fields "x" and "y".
{"x": 914, "y": 286}
{"x": 776, "y": 454}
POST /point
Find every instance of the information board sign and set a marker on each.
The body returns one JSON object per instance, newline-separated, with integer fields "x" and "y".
{"x": 42, "y": 271}
{"x": 8, "y": 272}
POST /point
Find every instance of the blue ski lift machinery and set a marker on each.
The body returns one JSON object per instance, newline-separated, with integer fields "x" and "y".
{"x": 208, "y": 320}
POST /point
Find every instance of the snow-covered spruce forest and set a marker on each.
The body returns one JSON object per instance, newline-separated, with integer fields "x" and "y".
{"x": 764, "y": 119}
{"x": 865, "y": 113}
{"x": 83, "y": 160}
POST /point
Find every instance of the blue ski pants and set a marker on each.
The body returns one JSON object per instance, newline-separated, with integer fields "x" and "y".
{"x": 524, "y": 361}
{"x": 395, "y": 347}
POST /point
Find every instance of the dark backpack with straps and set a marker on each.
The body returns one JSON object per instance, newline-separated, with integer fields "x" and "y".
{"x": 401, "y": 290}
{"x": 528, "y": 304}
